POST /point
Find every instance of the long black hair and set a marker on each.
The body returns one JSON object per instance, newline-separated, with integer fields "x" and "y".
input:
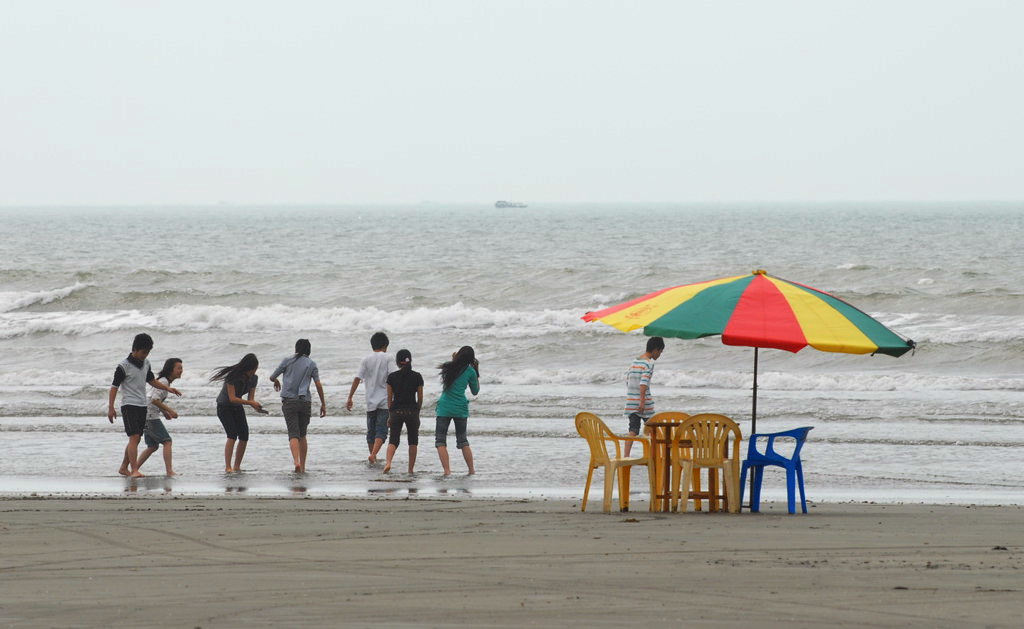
{"x": 233, "y": 373}
{"x": 169, "y": 364}
{"x": 452, "y": 369}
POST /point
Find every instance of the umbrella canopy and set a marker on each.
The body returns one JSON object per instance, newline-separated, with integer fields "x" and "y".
{"x": 756, "y": 310}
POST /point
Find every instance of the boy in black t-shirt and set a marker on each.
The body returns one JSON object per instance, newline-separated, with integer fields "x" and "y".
{"x": 405, "y": 399}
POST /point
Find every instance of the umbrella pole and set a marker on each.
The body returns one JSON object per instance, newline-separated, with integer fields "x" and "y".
{"x": 753, "y": 425}
{"x": 753, "y": 412}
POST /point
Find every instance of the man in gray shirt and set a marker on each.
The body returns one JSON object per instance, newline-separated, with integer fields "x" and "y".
{"x": 296, "y": 405}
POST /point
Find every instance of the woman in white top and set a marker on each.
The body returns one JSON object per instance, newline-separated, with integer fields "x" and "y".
{"x": 156, "y": 434}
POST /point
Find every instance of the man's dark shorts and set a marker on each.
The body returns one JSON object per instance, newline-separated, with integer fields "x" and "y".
{"x": 634, "y": 422}
{"x": 134, "y": 418}
{"x": 296, "y": 416}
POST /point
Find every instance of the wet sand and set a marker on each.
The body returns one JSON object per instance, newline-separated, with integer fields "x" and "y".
{"x": 166, "y": 561}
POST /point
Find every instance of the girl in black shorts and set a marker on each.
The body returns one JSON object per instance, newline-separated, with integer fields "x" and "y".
{"x": 405, "y": 398}
{"x": 239, "y": 379}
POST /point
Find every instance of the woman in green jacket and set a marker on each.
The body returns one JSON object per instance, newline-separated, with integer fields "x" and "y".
{"x": 461, "y": 371}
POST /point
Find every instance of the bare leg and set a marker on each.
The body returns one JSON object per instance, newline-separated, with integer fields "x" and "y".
{"x": 412, "y": 457}
{"x": 293, "y": 445}
{"x": 132, "y": 452}
{"x": 391, "y": 455}
{"x": 229, "y": 448}
{"x": 629, "y": 445}
{"x": 468, "y": 455}
{"x": 442, "y": 453}
{"x": 123, "y": 470}
{"x": 303, "y": 450}
{"x": 239, "y": 453}
{"x": 146, "y": 454}
{"x": 377, "y": 444}
{"x": 167, "y": 459}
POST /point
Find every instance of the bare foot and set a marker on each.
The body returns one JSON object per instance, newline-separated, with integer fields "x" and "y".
{"x": 297, "y": 469}
{"x": 228, "y": 470}
{"x": 387, "y": 468}
{"x": 447, "y": 472}
{"x": 137, "y": 474}
{"x": 236, "y": 469}
{"x": 371, "y": 459}
{"x": 471, "y": 472}
{"x": 171, "y": 473}
{"x": 123, "y": 471}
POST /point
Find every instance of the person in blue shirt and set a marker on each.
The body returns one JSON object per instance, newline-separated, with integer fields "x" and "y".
{"x": 298, "y": 371}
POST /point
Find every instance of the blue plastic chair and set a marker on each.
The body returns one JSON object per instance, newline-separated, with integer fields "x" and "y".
{"x": 758, "y": 461}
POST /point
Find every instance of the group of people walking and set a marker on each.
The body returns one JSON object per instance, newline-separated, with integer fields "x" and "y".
{"x": 394, "y": 399}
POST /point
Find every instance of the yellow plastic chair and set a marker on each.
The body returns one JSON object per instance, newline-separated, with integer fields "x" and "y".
{"x": 711, "y": 436}
{"x": 598, "y": 437}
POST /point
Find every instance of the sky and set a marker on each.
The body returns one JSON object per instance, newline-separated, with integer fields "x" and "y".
{"x": 321, "y": 102}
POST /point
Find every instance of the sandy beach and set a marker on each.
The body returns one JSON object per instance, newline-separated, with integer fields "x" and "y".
{"x": 248, "y": 562}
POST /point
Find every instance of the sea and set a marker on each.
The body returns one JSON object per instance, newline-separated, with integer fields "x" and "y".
{"x": 944, "y": 424}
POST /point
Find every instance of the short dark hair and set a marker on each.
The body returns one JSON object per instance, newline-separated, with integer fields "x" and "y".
{"x": 379, "y": 340}
{"x": 142, "y": 341}
{"x": 655, "y": 342}
{"x": 303, "y": 347}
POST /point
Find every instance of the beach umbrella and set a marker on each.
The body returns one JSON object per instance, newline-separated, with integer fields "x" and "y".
{"x": 759, "y": 311}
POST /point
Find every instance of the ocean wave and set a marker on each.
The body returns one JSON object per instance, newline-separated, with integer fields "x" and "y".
{"x": 925, "y": 328}
{"x": 741, "y": 380}
{"x": 15, "y": 300}
{"x": 193, "y": 318}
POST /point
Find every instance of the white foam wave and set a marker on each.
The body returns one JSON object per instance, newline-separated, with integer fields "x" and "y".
{"x": 195, "y": 318}
{"x": 925, "y": 328}
{"x": 777, "y": 381}
{"x": 15, "y": 300}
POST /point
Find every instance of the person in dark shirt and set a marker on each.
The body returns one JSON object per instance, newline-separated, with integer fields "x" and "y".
{"x": 239, "y": 379}
{"x": 405, "y": 399}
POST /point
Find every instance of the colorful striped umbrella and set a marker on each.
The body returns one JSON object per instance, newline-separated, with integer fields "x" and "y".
{"x": 756, "y": 310}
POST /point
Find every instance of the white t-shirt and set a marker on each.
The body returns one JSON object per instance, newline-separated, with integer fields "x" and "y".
{"x": 373, "y": 371}
{"x": 152, "y": 412}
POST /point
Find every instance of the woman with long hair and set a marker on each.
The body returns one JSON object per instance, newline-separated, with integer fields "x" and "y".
{"x": 239, "y": 379}
{"x": 461, "y": 371}
{"x": 405, "y": 399}
{"x": 156, "y": 433}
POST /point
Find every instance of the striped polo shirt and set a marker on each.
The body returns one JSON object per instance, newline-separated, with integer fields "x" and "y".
{"x": 639, "y": 374}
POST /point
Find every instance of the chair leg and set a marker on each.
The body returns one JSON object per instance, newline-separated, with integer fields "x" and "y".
{"x": 743, "y": 480}
{"x": 650, "y": 481}
{"x": 677, "y": 474}
{"x": 686, "y": 478}
{"x": 731, "y": 490}
{"x": 586, "y": 490}
{"x": 713, "y": 502}
{"x": 800, "y": 482}
{"x": 791, "y": 489}
{"x": 755, "y": 491}
{"x": 624, "y": 473}
{"x": 609, "y": 481}
{"x": 695, "y": 487}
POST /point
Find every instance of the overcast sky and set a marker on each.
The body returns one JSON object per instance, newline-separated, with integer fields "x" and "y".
{"x": 245, "y": 101}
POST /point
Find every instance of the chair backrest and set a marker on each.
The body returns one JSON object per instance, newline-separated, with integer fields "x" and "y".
{"x": 799, "y": 434}
{"x": 709, "y": 435}
{"x": 597, "y": 434}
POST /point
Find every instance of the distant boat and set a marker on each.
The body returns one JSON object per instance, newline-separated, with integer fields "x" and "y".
{"x": 505, "y": 204}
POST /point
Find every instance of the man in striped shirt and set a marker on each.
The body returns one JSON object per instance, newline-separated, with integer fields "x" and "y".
{"x": 639, "y": 399}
